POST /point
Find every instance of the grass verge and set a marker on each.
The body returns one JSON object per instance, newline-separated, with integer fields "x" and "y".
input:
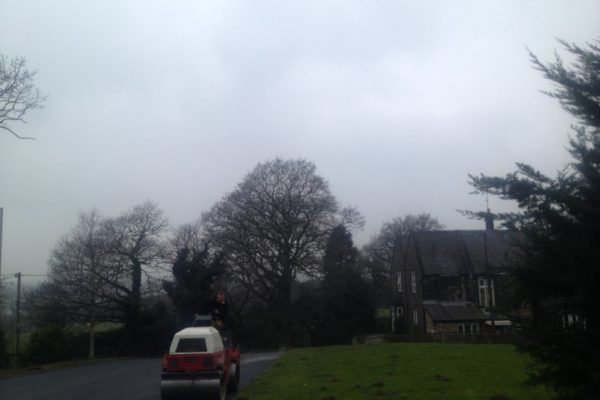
{"x": 415, "y": 371}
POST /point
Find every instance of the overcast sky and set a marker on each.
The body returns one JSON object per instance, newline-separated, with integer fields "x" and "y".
{"x": 175, "y": 101}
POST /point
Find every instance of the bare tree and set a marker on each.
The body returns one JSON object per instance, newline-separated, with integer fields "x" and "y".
{"x": 383, "y": 247}
{"x": 18, "y": 95}
{"x": 136, "y": 246}
{"x": 274, "y": 226}
{"x": 80, "y": 280}
{"x": 188, "y": 236}
{"x": 96, "y": 270}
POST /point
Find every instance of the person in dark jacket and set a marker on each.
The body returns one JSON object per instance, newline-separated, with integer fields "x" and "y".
{"x": 219, "y": 311}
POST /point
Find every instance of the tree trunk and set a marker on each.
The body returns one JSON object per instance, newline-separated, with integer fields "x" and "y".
{"x": 92, "y": 352}
{"x": 134, "y": 309}
{"x": 285, "y": 305}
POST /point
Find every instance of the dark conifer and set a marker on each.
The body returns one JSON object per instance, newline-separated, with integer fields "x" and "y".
{"x": 558, "y": 277}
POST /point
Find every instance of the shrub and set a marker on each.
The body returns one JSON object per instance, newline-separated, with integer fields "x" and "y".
{"x": 48, "y": 344}
{"x": 4, "y": 361}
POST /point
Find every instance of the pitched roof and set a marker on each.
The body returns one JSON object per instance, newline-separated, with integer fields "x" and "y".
{"x": 452, "y": 253}
{"x": 454, "y": 311}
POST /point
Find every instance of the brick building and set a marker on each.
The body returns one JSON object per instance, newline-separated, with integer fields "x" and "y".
{"x": 452, "y": 281}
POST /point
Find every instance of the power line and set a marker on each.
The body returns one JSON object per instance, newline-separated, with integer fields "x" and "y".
{"x": 15, "y": 275}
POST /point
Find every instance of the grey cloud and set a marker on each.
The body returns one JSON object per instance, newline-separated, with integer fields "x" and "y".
{"x": 395, "y": 102}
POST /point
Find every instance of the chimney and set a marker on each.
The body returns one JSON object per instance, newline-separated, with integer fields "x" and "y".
{"x": 489, "y": 221}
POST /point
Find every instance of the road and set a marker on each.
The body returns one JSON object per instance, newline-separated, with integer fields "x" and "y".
{"x": 134, "y": 379}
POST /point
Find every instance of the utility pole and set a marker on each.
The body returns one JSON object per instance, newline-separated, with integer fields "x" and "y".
{"x": 1, "y": 221}
{"x": 18, "y": 312}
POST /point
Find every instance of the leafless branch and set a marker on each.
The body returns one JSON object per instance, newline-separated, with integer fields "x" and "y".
{"x": 18, "y": 95}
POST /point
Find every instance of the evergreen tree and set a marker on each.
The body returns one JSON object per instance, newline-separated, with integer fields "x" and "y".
{"x": 558, "y": 276}
{"x": 195, "y": 272}
{"x": 348, "y": 301}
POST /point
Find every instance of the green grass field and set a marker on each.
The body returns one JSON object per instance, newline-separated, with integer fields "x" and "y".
{"x": 415, "y": 371}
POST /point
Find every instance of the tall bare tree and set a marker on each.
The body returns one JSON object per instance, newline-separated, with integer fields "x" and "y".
{"x": 273, "y": 227}
{"x": 188, "y": 236}
{"x": 383, "y": 247}
{"x": 80, "y": 280}
{"x": 136, "y": 246}
{"x": 18, "y": 95}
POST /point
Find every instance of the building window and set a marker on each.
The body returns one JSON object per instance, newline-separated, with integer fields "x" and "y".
{"x": 413, "y": 281}
{"x": 471, "y": 329}
{"x": 474, "y": 329}
{"x": 573, "y": 321}
{"x": 486, "y": 292}
{"x": 399, "y": 281}
{"x": 416, "y": 317}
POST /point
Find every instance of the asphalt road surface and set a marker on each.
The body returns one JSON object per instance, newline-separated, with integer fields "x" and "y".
{"x": 135, "y": 379}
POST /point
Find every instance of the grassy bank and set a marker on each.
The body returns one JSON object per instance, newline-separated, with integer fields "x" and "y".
{"x": 414, "y": 371}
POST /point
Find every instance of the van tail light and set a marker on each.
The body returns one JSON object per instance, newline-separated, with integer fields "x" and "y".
{"x": 170, "y": 362}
